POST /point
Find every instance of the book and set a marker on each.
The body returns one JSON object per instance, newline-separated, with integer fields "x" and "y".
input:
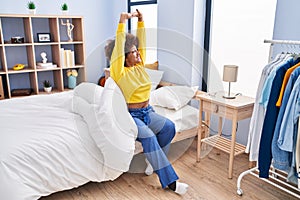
{"x": 62, "y": 57}
{"x": 45, "y": 65}
{"x": 72, "y": 59}
{"x": 67, "y": 57}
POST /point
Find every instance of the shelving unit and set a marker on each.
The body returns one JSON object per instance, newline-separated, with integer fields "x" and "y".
{"x": 28, "y": 52}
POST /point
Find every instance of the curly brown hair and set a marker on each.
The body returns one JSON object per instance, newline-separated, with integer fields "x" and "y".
{"x": 130, "y": 41}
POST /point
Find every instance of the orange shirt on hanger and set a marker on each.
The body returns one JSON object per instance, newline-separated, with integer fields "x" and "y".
{"x": 284, "y": 82}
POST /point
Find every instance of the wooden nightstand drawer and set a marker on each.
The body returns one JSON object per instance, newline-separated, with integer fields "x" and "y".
{"x": 217, "y": 109}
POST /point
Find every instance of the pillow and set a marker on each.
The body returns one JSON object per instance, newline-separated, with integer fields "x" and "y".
{"x": 90, "y": 92}
{"x": 153, "y": 66}
{"x": 172, "y": 97}
{"x": 155, "y": 77}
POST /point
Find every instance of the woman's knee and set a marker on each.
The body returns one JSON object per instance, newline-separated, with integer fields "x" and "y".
{"x": 148, "y": 139}
{"x": 169, "y": 127}
{"x": 145, "y": 132}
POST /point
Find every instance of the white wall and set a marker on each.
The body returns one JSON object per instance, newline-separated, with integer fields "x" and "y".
{"x": 101, "y": 27}
{"x": 198, "y": 42}
{"x": 287, "y": 20}
{"x": 286, "y": 25}
{"x": 177, "y": 42}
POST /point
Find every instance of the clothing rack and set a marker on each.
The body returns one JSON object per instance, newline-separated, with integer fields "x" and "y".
{"x": 283, "y": 42}
{"x": 277, "y": 178}
{"x": 291, "y": 42}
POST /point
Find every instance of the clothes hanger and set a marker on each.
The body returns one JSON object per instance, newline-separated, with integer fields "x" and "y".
{"x": 295, "y": 55}
{"x": 285, "y": 53}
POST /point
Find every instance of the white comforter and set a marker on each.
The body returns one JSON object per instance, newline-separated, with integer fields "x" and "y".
{"x": 50, "y": 143}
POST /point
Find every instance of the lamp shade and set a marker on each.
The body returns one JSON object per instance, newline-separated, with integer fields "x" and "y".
{"x": 230, "y": 73}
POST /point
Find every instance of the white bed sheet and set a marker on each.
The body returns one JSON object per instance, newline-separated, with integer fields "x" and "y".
{"x": 45, "y": 147}
{"x": 41, "y": 149}
{"x": 185, "y": 118}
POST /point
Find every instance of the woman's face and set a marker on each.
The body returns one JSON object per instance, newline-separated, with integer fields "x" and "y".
{"x": 133, "y": 57}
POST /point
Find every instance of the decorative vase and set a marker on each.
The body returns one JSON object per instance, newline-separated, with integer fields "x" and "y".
{"x": 31, "y": 11}
{"x": 48, "y": 89}
{"x": 71, "y": 82}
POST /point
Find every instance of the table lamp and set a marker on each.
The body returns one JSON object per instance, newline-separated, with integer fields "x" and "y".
{"x": 230, "y": 75}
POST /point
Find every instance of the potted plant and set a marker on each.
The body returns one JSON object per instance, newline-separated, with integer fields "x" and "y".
{"x": 47, "y": 86}
{"x": 64, "y": 8}
{"x": 31, "y": 7}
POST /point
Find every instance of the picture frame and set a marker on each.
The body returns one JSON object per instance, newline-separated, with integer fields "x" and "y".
{"x": 44, "y": 37}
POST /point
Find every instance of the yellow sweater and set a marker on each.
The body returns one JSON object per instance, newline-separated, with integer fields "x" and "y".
{"x": 133, "y": 81}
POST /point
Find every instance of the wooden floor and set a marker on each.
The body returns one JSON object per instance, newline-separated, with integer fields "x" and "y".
{"x": 207, "y": 179}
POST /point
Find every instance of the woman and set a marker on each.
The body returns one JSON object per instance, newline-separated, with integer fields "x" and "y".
{"x": 154, "y": 131}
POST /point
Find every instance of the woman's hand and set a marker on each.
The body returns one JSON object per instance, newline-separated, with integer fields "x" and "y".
{"x": 124, "y": 16}
{"x": 138, "y": 14}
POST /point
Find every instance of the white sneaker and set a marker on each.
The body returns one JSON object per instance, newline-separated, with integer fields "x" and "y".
{"x": 181, "y": 188}
{"x": 149, "y": 168}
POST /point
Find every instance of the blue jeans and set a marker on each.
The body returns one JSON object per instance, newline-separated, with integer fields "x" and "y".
{"x": 156, "y": 132}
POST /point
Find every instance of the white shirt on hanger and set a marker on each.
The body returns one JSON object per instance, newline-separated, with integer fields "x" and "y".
{"x": 258, "y": 115}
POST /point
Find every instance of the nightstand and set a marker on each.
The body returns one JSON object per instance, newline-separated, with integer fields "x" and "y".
{"x": 233, "y": 109}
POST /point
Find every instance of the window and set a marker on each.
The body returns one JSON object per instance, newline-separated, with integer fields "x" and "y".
{"x": 149, "y": 9}
{"x": 235, "y": 39}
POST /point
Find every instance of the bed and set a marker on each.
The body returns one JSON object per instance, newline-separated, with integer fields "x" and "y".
{"x": 60, "y": 141}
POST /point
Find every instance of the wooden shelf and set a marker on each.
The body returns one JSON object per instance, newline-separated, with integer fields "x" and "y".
{"x": 223, "y": 144}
